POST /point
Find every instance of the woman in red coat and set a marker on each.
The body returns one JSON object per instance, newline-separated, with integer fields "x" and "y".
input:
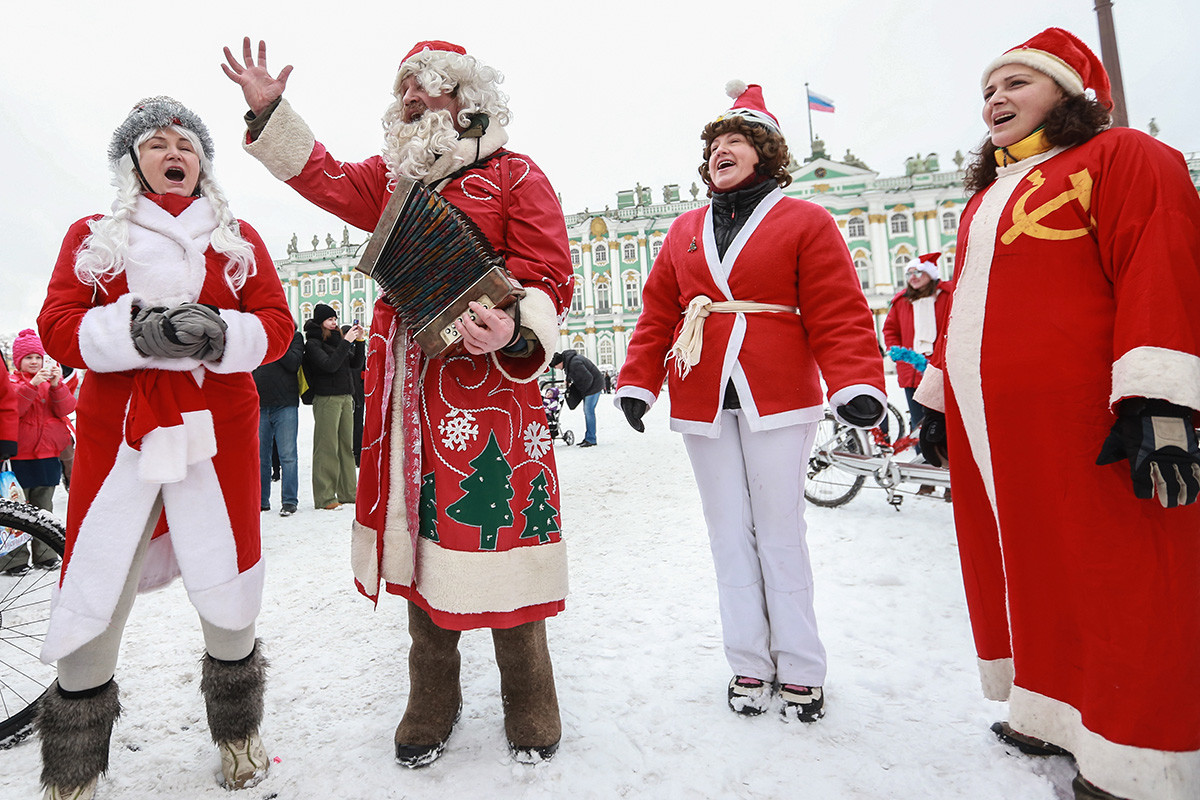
{"x": 918, "y": 315}
{"x": 755, "y": 298}
{"x": 43, "y": 402}
{"x": 1070, "y": 386}
{"x": 169, "y": 302}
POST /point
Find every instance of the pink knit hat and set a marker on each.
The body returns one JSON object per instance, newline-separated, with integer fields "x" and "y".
{"x": 27, "y": 343}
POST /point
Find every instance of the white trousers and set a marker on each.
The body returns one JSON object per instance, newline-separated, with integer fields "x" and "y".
{"x": 95, "y": 662}
{"x": 752, "y": 490}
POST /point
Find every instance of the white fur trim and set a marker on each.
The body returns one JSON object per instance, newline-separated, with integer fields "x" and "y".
{"x": 1157, "y": 372}
{"x": 460, "y": 582}
{"x": 167, "y": 453}
{"x": 285, "y": 144}
{"x": 1138, "y": 773}
{"x": 844, "y": 395}
{"x": 540, "y": 315}
{"x": 996, "y": 678}
{"x": 466, "y": 151}
{"x": 245, "y": 343}
{"x": 364, "y": 557}
{"x": 106, "y": 344}
{"x": 637, "y": 392}
{"x": 1046, "y": 63}
{"x": 931, "y": 392}
{"x": 796, "y": 416}
{"x": 165, "y": 264}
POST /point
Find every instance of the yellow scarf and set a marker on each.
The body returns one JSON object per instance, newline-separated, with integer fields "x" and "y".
{"x": 1031, "y": 145}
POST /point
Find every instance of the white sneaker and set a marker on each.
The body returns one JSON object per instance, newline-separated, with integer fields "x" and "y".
{"x": 85, "y": 792}
{"x": 243, "y": 764}
{"x": 802, "y": 703}
{"x": 749, "y": 696}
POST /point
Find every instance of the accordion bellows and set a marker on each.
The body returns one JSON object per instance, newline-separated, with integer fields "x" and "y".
{"x": 431, "y": 260}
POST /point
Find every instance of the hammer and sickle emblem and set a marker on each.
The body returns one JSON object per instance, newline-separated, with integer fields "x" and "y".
{"x": 1029, "y": 222}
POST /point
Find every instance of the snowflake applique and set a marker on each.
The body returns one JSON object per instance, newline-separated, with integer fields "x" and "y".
{"x": 457, "y": 429}
{"x": 537, "y": 440}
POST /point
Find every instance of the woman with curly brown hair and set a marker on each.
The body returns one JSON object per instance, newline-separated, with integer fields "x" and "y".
{"x": 756, "y": 299}
{"x": 1069, "y": 386}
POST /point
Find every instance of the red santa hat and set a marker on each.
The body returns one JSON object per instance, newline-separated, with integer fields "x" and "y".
{"x": 431, "y": 46}
{"x": 1062, "y": 56}
{"x": 927, "y": 264}
{"x": 749, "y": 105}
{"x": 26, "y": 343}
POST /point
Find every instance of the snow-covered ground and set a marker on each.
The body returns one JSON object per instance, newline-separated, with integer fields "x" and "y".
{"x": 640, "y": 671}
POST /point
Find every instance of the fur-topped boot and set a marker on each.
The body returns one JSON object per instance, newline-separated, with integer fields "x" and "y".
{"x": 75, "y": 729}
{"x": 531, "y": 717}
{"x": 233, "y": 698}
{"x": 434, "y": 692}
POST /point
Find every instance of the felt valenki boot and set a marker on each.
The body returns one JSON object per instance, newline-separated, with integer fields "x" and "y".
{"x": 233, "y": 698}
{"x": 75, "y": 729}
{"x": 531, "y": 718}
{"x": 434, "y": 693}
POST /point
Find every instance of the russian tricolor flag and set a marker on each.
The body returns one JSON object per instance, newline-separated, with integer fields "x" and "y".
{"x": 819, "y": 102}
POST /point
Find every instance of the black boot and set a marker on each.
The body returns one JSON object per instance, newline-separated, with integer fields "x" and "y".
{"x": 75, "y": 729}
{"x": 531, "y": 717}
{"x": 233, "y": 698}
{"x": 434, "y": 692}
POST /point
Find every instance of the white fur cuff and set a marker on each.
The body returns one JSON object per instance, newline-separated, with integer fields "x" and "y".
{"x": 636, "y": 392}
{"x": 932, "y": 391}
{"x": 1157, "y": 372}
{"x": 285, "y": 143}
{"x": 245, "y": 343}
{"x": 106, "y": 344}
{"x": 539, "y": 315}
{"x": 842, "y": 396}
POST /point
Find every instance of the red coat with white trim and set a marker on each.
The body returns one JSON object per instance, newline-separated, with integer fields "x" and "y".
{"x": 211, "y": 513}
{"x": 1079, "y": 275}
{"x": 789, "y": 253}
{"x": 465, "y": 525}
{"x": 898, "y": 328}
{"x": 43, "y": 408}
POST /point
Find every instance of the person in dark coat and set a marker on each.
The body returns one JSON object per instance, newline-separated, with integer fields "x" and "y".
{"x": 278, "y": 421}
{"x": 584, "y": 383}
{"x": 329, "y": 361}
{"x": 359, "y": 394}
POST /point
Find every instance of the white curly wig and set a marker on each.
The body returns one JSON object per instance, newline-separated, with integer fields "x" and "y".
{"x": 102, "y": 254}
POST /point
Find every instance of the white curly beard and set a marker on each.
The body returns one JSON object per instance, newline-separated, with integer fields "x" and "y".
{"x": 410, "y": 148}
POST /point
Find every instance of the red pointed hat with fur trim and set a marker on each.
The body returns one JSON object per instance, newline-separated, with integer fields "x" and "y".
{"x": 434, "y": 44}
{"x": 1062, "y": 56}
{"x": 927, "y": 263}
{"x": 749, "y": 105}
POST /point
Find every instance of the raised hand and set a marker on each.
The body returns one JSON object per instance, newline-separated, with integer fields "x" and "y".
{"x": 258, "y": 87}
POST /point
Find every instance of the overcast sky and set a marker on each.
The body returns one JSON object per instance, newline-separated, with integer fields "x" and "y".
{"x": 604, "y": 95}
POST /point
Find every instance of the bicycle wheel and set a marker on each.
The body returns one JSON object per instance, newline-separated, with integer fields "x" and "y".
{"x": 24, "y": 619}
{"x": 827, "y": 484}
{"x": 895, "y": 422}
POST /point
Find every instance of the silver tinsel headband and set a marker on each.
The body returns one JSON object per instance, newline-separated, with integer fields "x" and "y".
{"x": 152, "y": 113}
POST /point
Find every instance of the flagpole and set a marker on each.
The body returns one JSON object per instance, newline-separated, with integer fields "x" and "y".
{"x": 808, "y": 105}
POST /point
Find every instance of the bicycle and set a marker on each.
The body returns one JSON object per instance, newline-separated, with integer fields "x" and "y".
{"x": 24, "y": 620}
{"x": 844, "y": 457}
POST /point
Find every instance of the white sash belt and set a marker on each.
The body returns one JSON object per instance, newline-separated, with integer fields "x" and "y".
{"x": 686, "y": 350}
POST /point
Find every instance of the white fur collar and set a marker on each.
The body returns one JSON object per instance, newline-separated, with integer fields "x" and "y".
{"x": 165, "y": 262}
{"x": 467, "y": 152}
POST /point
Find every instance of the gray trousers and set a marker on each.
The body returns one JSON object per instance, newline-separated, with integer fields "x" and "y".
{"x": 95, "y": 662}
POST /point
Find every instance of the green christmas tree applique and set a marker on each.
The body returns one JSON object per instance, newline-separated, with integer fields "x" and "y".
{"x": 427, "y": 509}
{"x": 541, "y": 518}
{"x": 485, "y": 504}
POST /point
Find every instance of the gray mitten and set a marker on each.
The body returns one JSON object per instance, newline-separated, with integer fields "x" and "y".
{"x": 193, "y": 322}
{"x": 189, "y": 330}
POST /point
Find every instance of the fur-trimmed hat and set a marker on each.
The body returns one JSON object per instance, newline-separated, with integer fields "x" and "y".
{"x": 927, "y": 263}
{"x": 152, "y": 113}
{"x": 1062, "y": 56}
{"x": 26, "y": 343}
{"x": 323, "y": 312}
{"x": 749, "y": 105}
{"x": 434, "y": 46}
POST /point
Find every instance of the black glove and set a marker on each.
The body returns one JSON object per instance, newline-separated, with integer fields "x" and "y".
{"x": 189, "y": 330}
{"x": 933, "y": 438}
{"x": 634, "y": 410}
{"x": 8, "y": 449}
{"x": 1160, "y": 442}
{"x": 862, "y": 411}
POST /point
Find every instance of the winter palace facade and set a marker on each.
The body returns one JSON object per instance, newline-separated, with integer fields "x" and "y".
{"x": 885, "y": 221}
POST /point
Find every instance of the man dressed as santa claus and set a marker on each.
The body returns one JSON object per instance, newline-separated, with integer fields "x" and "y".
{"x": 457, "y": 503}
